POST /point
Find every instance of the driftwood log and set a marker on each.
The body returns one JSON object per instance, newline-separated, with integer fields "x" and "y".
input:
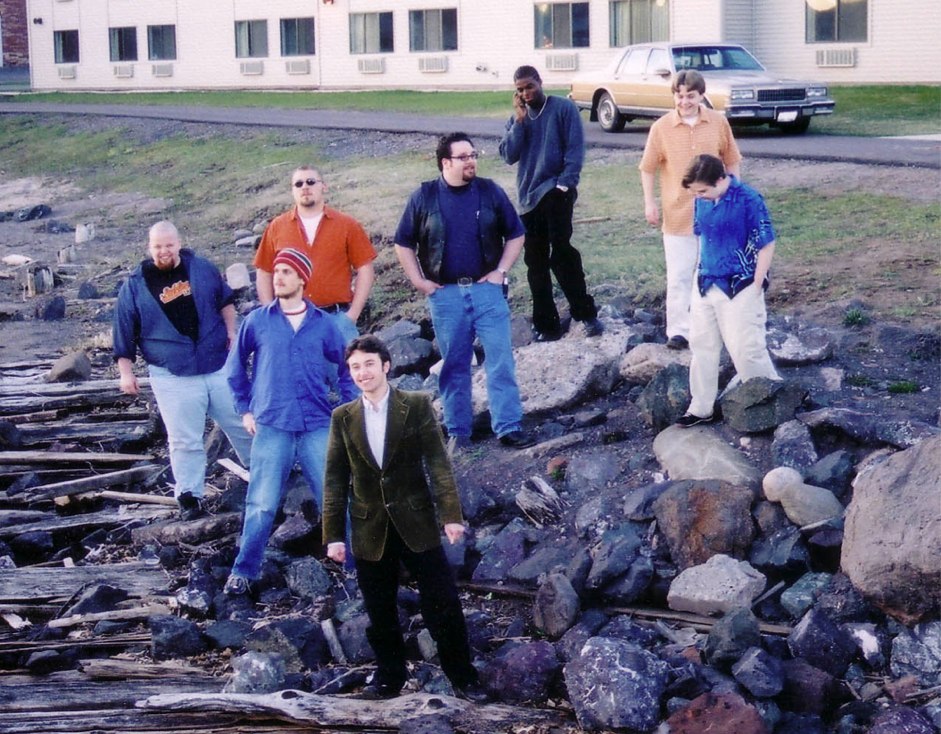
{"x": 85, "y": 484}
{"x": 349, "y": 712}
{"x": 42, "y": 584}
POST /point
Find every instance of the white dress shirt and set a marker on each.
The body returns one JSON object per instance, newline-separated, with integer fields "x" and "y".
{"x": 376, "y": 415}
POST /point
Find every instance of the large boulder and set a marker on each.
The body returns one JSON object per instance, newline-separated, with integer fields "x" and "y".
{"x": 699, "y": 453}
{"x": 702, "y": 518}
{"x": 892, "y": 537}
{"x": 616, "y": 685}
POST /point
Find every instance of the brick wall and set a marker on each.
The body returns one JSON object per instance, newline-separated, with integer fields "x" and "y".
{"x": 15, "y": 37}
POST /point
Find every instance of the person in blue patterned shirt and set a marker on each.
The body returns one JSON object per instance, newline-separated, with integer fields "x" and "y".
{"x": 736, "y": 245}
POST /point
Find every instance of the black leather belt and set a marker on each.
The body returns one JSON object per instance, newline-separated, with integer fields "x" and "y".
{"x": 335, "y": 307}
{"x": 463, "y": 282}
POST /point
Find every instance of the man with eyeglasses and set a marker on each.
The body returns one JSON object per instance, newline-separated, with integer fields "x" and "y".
{"x": 336, "y": 244}
{"x": 544, "y": 137}
{"x": 456, "y": 241}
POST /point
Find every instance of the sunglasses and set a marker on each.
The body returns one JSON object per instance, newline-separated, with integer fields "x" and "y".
{"x": 306, "y": 182}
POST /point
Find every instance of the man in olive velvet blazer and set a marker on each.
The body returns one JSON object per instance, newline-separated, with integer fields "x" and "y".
{"x": 387, "y": 466}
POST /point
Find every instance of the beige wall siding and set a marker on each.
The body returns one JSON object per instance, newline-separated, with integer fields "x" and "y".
{"x": 494, "y": 37}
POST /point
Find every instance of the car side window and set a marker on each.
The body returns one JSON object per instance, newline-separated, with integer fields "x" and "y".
{"x": 634, "y": 62}
{"x": 659, "y": 59}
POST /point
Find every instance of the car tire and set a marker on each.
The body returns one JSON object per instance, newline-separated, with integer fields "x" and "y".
{"x": 609, "y": 117}
{"x": 795, "y": 128}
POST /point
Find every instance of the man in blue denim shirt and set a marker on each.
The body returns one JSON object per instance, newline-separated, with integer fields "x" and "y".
{"x": 284, "y": 401}
{"x": 176, "y": 309}
{"x": 456, "y": 240}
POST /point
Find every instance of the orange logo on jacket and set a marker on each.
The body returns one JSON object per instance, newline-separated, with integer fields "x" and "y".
{"x": 180, "y": 289}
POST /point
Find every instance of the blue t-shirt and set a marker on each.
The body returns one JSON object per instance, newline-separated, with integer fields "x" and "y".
{"x": 460, "y": 209}
{"x": 731, "y": 232}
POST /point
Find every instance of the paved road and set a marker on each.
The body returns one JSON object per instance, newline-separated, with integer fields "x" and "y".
{"x": 755, "y": 144}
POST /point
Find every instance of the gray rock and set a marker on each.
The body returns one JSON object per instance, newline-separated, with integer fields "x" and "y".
{"x": 834, "y": 472}
{"x": 556, "y": 606}
{"x": 760, "y": 404}
{"x": 631, "y": 586}
{"x": 823, "y": 644}
{"x": 354, "y": 642}
{"x": 295, "y": 535}
{"x": 307, "y": 579}
{"x": 901, "y": 432}
{"x": 803, "y": 504}
{"x": 506, "y": 551}
{"x": 802, "y": 595}
{"x": 34, "y": 546}
{"x": 622, "y": 627}
{"x": 810, "y": 690}
{"x": 174, "y": 637}
{"x": 615, "y": 685}
{"x": 807, "y": 347}
{"x": 401, "y": 329}
{"x": 523, "y": 673}
{"x": 638, "y": 503}
{"x": 918, "y": 652}
{"x": 901, "y": 720}
{"x": 760, "y": 672}
{"x": 644, "y": 361}
{"x": 96, "y": 599}
{"x": 298, "y": 640}
{"x": 227, "y": 633}
{"x": 783, "y": 550}
{"x": 242, "y": 232}
{"x": 52, "y": 310}
{"x": 702, "y": 518}
{"x": 571, "y": 643}
{"x": 665, "y": 397}
{"x": 719, "y": 585}
{"x": 237, "y": 276}
{"x": 194, "y": 601}
{"x": 793, "y": 446}
{"x": 547, "y": 557}
{"x": 730, "y": 637}
{"x": 249, "y": 241}
{"x": 597, "y": 515}
{"x": 410, "y": 355}
{"x": 46, "y": 661}
{"x": 591, "y": 470}
{"x": 577, "y": 374}
{"x": 613, "y": 555}
{"x": 892, "y": 536}
{"x": 698, "y": 453}
{"x": 88, "y": 291}
{"x": 256, "y": 672}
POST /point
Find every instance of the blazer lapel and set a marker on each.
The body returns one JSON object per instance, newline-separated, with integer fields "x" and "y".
{"x": 395, "y": 425}
{"x": 356, "y": 426}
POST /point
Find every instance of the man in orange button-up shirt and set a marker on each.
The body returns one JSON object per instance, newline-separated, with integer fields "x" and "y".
{"x": 336, "y": 244}
{"x": 674, "y": 140}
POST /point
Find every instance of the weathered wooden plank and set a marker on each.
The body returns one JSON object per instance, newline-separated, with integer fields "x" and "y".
{"x": 36, "y": 417}
{"x": 91, "y": 520}
{"x": 85, "y": 484}
{"x": 69, "y": 690}
{"x": 351, "y": 712}
{"x": 119, "y": 721}
{"x": 37, "y": 584}
{"x": 144, "y": 612}
{"x": 10, "y": 518}
{"x": 109, "y": 642}
{"x": 70, "y": 457}
{"x": 73, "y": 389}
{"x": 193, "y": 532}
{"x": 85, "y": 432}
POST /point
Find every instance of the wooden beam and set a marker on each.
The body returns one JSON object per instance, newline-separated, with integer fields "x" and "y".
{"x": 41, "y": 584}
{"x": 85, "y": 484}
{"x": 70, "y": 457}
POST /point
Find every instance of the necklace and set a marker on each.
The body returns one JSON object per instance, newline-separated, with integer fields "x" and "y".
{"x": 529, "y": 112}
{"x": 295, "y": 313}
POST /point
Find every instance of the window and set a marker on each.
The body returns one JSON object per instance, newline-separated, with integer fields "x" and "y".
{"x": 161, "y": 42}
{"x": 638, "y": 21}
{"x": 251, "y": 39}
{"x": 123, "y": 44}
{"x": 297, "y": 37}
{"x": 561, "y": 25}
{"x": 370, "y": 33}
{"x": 432, "y": 30}
{"x": 66, "y": 47}
{"x": 837, "y": 20}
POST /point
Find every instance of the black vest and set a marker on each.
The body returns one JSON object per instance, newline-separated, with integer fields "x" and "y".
{"x": 432, "y": 232}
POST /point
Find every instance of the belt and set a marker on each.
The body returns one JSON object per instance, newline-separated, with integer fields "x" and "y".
{"x": 463, "y": 282}
{"x": 335, "y": 307}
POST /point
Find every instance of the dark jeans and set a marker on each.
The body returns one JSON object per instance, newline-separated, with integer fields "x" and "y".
{"x": 548, "y": 251}
{"x": 440, "y": 608}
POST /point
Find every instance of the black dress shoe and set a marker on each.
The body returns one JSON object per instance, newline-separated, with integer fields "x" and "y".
{"x": 550, "y": 335}
{"x": 377, "y": 691}
{"x": 473, "y": 692}
{"x": 594, "y": 327}
{"x": 517, "y": 440}
{"x": 677, "y": 342}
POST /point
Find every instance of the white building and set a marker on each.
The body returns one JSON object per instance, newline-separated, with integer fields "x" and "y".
{"x": 439, "y": 44}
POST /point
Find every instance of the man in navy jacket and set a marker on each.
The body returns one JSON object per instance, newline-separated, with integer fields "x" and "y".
{"x": 177, "y": 311}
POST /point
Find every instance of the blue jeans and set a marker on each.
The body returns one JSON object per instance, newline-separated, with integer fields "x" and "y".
{"x": 273, "y": 455}
{"x": 184, "y": 403}
{"x": 458, "y": 313}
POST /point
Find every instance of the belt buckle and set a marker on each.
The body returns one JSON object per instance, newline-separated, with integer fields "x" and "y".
{"x": 465, "y": 282}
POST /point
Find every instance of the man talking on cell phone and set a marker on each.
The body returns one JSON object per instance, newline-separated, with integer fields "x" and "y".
{"x": 545, "y": 137}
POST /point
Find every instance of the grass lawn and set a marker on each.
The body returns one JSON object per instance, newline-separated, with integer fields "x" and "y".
{"x": 869, "y": 110}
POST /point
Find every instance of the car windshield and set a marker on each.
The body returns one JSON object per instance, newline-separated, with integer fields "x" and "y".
{"x": 714, "y": 58}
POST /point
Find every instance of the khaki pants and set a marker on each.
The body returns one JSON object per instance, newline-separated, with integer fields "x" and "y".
{"x": 681, "y": 253}
{"x": 737, "y": 322}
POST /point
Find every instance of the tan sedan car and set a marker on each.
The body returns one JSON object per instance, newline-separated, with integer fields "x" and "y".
{"x": 637, "y": 85}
